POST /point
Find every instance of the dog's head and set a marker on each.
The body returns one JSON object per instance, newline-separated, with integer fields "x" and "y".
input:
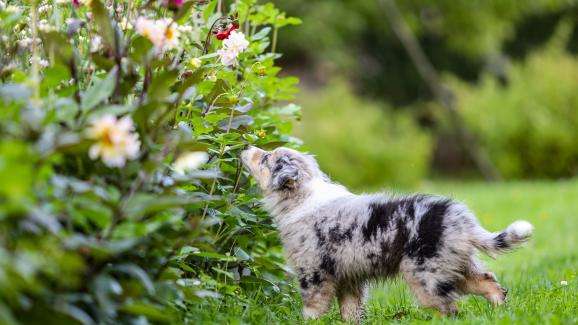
{"x": 280, "y": 170}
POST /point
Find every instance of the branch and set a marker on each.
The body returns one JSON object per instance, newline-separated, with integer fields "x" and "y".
{"x": 444, "y": 95}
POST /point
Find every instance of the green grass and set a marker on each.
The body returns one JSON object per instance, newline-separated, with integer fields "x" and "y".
{"x": 532, "y": 274}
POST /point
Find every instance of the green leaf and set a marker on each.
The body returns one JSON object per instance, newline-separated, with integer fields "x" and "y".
{"x": 160, "y": 87}
{"x": 261, "y": 34}
{"x": 153, "y": 312}
{"x": 54, "y": 75}
{"x": 183, "y": 11}
{"x": 100, "y": 90}
{"x": 216, "y": 256}
{"x": 101, "y": 16}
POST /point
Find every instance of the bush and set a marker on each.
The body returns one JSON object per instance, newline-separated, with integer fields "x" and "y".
{"x": 122, "y": 198}
{"x": 361, "y": 143}
{"x": 528, "y": 126}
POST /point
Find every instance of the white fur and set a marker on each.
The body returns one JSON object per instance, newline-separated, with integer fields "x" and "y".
{"x": 520, "y": 229}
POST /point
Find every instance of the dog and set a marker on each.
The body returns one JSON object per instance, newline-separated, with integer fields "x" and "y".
{"x": 337, "y": 241}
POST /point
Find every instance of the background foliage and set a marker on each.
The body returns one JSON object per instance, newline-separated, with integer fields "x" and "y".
{"x": 81, "y": 242}
{"x": 523, "y": 117}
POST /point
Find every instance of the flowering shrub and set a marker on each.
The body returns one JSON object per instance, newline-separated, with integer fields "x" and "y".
{"x": 123, "y": 198}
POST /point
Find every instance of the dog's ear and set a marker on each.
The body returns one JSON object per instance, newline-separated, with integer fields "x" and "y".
{"x": 286, "y": 178}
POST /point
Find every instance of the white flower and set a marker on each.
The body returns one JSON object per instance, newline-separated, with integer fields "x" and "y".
{"x": 149, "y": 29}
{"x": 236, "y": 42}
{"x": 563, "y": 283}
{"x": 228, "y": 57}
{"x": 115, "y": 138}
{"x": 190, "y": 160}
{"x": 186, "y": 29}
{"x": 232, "y": 47}
{"x": 25, "y": 42}
{"x": 170, "y": 33}
{"x": 41, "y": 62}
{"x": 95, "y": 43}
{"x": 162, "y": 33}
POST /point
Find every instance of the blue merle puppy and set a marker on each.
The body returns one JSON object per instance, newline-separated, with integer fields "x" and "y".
{"x": 338, "y": 241}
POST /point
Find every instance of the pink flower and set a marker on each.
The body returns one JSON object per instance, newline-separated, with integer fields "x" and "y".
{"x": 76, "y": 3}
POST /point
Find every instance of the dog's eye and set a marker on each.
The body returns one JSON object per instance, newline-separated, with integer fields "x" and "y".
{"x": 278, "y": 167}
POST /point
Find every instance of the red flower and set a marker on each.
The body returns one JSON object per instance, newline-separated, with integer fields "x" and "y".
{"x": 76, "y": 3}
{"x": 224, "y": 35}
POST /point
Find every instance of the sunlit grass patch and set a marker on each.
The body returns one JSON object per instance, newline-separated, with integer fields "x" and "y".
{"x": 533, "y": 274}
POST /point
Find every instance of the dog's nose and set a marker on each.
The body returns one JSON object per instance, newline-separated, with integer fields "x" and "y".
{"x": 247, "y": 152}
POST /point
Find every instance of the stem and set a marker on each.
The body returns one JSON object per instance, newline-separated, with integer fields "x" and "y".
{"x": 128, "y": 11}
{"x": 274, "y": 42}
{"x": 221, "y": 152}
{"x": 35, "y": 56}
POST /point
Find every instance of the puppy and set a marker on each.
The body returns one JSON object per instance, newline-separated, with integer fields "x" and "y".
{"x": 338, "y": 241}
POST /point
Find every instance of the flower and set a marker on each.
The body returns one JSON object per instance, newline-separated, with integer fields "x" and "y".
{"x": 563, "y": 283}
{"x": 95, "y": 43}
{"x": 232, "y": 47}
{"x": 149, "y": 29}
{"x": 76, "y": 3}
{"x": 41, "y": 62}
{"x": 115, "y": 138}
{"x": 190, "y": 160}
{"x": 228, "y": 57}
{"x": 170, "y": 33}
{"x": 162, "y": 33}
{"x": 236, "y": 42}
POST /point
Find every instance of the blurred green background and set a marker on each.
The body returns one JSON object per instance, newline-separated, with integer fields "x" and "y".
{"x": 372, "y": 120}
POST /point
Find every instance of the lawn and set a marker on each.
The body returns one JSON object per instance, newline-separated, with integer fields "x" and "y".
{"x": 532, "y": 274}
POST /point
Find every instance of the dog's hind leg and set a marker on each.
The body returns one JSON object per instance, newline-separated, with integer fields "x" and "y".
{"x": 432, "y": 290}
{"x": 317, "y": 298}
{"x": 351, "y": 297}
{"x": 486, "y": 285}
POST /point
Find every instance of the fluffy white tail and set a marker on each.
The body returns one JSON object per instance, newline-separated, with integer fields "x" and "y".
{"x": 493, "y": 243}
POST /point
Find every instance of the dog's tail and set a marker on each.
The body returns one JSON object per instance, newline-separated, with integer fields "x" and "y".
{"x": 494, "y": 243}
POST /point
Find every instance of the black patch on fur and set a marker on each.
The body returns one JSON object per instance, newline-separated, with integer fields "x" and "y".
{"x": 429, "y": 232}
{"x": 316, "y": 278}
{"x": 444, "y": 288}
{"x": 328, "y": 264}
{"x": 319, "y": 234}
{"x": 393, "y": 252}
{"x": 380, "y": 214}
{"x": 500, "y": 241}
{"x": 303, "y": 283}
{"x": 336, "y": 236}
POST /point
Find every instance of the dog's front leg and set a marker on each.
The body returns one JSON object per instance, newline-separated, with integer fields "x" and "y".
{"x": 351, "y": 299}
{"x": 316, "y": 298}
